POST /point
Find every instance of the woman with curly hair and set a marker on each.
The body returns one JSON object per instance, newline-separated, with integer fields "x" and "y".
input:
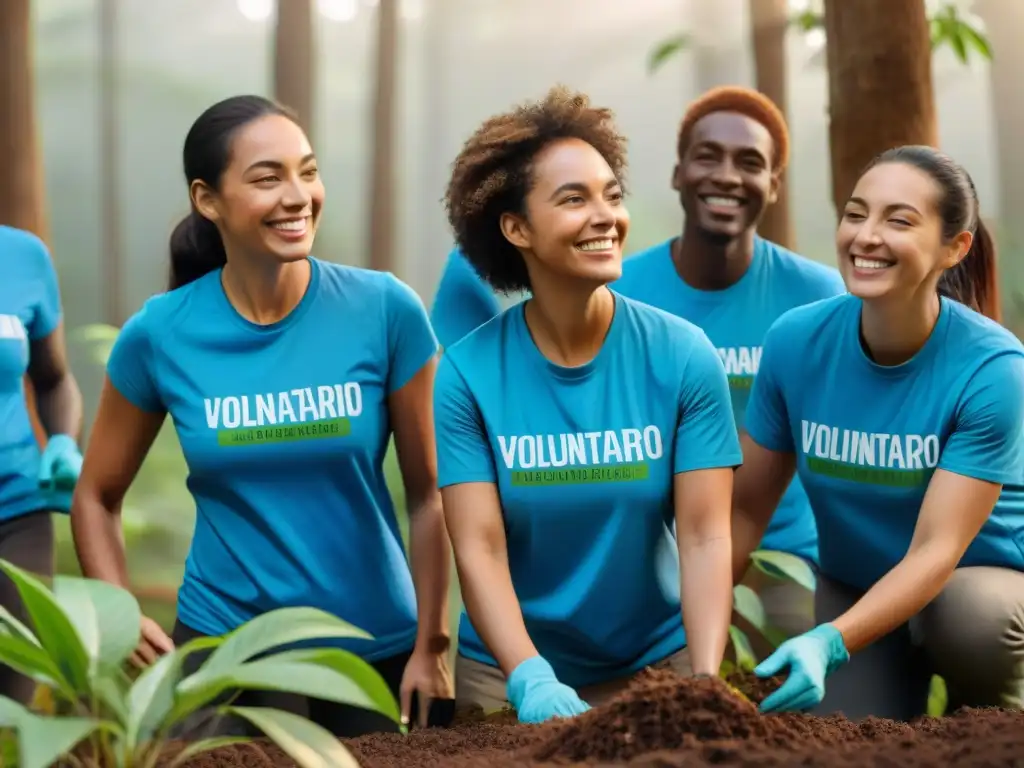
{"x": 574, "y": 430}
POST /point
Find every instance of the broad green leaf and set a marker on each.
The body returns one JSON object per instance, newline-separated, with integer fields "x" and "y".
{"x": 31, "y": 661}
{"x": 151, "y": 697}
{"x": 748, "y": 605}
{"x": 783, "y": 565}
{"x": 665, "y": 50}
{"x": 956, "y": 42}
{"x": 53, "y": 628}
{"x": 107, "y": 618}
{"x": 306, "y": 743}
{"x": 11, "y": 622}
{"x": 726, "y": 669}
{"x": 745, "y": 658}
{"x": 977, "y": 40}
{"x": 271, "y": 674}
{"x": 42, "y": 740}
{"x": 775, "y": 636}
{"x": 206, "y": 745}
{"x": 275, "y": 629}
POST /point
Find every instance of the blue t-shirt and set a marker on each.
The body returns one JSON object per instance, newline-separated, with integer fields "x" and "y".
{"x": 583, "y": 459}
{"x": 463, "y": 301}
{"x": 736, "y": 320}
{"x": 29, "y": 311}
{"x": 867, "y": 437}
{"x": 284, "y": 428}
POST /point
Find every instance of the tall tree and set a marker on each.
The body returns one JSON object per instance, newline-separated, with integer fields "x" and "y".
{"x": 382, "y": 167}
{"x": 294, "y": 59}
{"x": 879, "y": 83}
{"x": 769, "y": 22}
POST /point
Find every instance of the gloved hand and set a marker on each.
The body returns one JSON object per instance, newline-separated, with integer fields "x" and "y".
{"x": 810, "y": 657}
{"x": 61, "y": 464}
{"x": 535, "y": 692}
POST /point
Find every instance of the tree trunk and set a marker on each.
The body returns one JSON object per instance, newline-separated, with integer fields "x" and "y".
{"x": 879, "y": 83}
{"x": 22, "y": 197}
{"x": 294, "y": 68}
{"x": 769, "y": 22}
{"x": 382, "y": 169}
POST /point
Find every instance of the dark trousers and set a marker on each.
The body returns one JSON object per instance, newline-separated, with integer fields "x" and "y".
{"x": 27, "y": 542}
{"x": 342, "y": 720}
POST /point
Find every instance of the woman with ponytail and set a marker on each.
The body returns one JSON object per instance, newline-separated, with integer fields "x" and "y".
{"x": 285, "y": 377}
{"x": 901, "y": 407}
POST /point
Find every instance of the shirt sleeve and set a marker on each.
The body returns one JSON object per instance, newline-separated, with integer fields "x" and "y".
{"x": 47, "y": 314}
{"x": 130, "y": 365}
{"x": 766, "y": 420}
{"x": 706, "y": 436}
{"x": 987, "y": 442}
{"x": 463, "y": 452}
{"x": 463, "y": 301}
{"x": 411, "y": 342}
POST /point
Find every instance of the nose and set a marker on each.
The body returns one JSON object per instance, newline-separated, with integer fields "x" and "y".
{"x": 867, "y": 236}
{"x": 602, "y": 214}
{"x": 296, "y": 195}
{"x": 726, "y": 174}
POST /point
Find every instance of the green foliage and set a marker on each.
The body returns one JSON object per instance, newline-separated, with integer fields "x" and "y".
{"x": 84, "y": 631}
{"x": 665, "y": 50}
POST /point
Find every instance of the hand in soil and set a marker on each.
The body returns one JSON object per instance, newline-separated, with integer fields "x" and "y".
{"x": 428, "y": 677}
{"x": 537, "y": 695}
{"x": 810, "y": 658}
{"x": 153, "y": 643}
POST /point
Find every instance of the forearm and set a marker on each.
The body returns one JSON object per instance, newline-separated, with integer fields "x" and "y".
{"x": 706, "y": 592}
{"x": 493, "y": 607}
{"x": 99, "y": 540}
{"x": 898, "y": 596}
{"x": 429, "y": 553}
{"x": 60, "y": 406}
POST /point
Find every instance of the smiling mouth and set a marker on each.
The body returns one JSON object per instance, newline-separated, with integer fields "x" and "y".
{"x": 602, "y": 244}
{"x": 721, "y": 201}
{"x": 291, "y": 227}
{"x": 868, "y": 263}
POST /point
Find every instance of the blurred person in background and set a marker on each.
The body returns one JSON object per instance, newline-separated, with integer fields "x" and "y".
{"x": 722, "y": 276}
{"x": 574, "y": 430}
{"x": 463, "y": 301}
{"x": 285, "y": 377}
{"x": 901, "y": 407}
{"x": 33, "y": 482}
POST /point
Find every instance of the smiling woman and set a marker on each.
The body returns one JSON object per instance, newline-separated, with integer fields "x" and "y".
{"x": 573, "y": 430}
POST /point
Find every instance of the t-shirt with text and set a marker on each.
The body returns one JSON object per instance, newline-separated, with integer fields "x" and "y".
{"x": 583, "y": 459}
{"x": 868, "y": 437}
{"x": 284, "y": 428}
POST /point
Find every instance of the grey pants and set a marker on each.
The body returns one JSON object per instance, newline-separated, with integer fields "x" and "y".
{"x": 483, "y": 686}
{"x": 972, "y": 635}
{"x": 27, "y": 542}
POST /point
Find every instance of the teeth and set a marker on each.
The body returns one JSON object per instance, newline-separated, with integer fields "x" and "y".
{"x": 290, "y": 226}
{"x": 596, "y": 245}
{"x": 861, "y": 263}
{"x": 723, "y": 202}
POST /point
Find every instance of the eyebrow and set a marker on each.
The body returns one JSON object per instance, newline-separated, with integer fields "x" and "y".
{"x": 889, "y": 208}
{"x": 276, "y": 165}
{"x": 576, "y": 186}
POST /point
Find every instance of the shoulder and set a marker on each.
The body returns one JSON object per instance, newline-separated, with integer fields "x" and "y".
{"x": 813, "y": 279}
{"x": 657, "y": 323}
{"x": 667, "y": 341}
{"x": 358, "y": 281}
{"x": 485, "y": 342}
{"x": 984, "y": 345}
{"x": 22, "y": 249}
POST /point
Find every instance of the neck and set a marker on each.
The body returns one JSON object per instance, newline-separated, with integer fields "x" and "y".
{"x": 264, "y": 293}
{"x": 894, "y": 331}
{"x": 710, "y": 265}
{"x": 569, "y": 322}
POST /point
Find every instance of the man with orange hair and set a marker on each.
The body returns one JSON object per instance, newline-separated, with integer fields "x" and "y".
{"x": 720, "y": 275}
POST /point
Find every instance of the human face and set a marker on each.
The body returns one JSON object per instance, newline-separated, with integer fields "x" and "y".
{"x": 889, "y": 241}
{"x": 270, "y": 194}
{"x": 575, "y": 223}
{"x": 724, "y": 177}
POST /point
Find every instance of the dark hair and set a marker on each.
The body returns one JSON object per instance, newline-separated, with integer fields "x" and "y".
{"x": 974, "y": 281}
{"x": 491, "y": 176}
{"x": 196, "y": 245}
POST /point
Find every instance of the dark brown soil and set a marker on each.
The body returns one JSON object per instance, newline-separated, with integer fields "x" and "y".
{"x": 663, "y": 721}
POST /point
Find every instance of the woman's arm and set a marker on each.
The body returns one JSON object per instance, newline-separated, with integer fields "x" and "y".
{"x": 412, "y": 414}
{"x": 702, "y": 500}
{"x": 953, "y": 511}
{"x": 58, "y": 399}
{"x": 757, "y": 489}
{"x": 473, "y": 514}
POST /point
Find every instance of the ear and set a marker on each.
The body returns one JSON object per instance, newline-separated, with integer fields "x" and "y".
{"x": 959, "y": 247}
{"x": 677, "y": 177}
{"x": 515, "y": 229}
{"x": 205, "y": 201}
{"x": 774, "y": 186}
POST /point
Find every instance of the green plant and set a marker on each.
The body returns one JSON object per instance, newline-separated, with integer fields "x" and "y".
{"x": 84, "y": 630}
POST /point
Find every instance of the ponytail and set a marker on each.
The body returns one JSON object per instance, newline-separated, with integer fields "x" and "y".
{"x": 974, "y": 281}
{"x": 196, "y": 249}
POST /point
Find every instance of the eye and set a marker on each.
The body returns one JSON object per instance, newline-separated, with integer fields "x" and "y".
{"x": 615, "y": 196}
{"x": 853, "y": 216}
{"x": 574, "y": 199}
{"x": 311, "y": 173}
{"x": 900, "y": 222}
{"x": 266, "y": 180}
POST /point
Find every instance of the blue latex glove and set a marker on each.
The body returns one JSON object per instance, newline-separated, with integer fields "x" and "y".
{"x": 537, "y": 695}
{"x": 61, "y": 464}
{"x": 810, "y": 657}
